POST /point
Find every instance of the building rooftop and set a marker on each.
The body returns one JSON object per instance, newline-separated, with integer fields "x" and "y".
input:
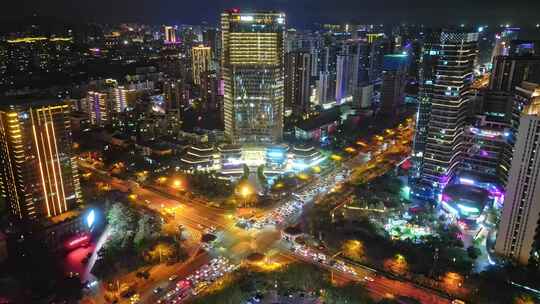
{"x": 64, "y": 216}
{"x": 325, "y": 118}
{"x": 533, "y": 108}
{"x": 7, "y": 102}
{"x": 467, "y": 194}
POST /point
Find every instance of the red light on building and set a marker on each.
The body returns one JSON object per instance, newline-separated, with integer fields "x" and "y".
{"x": 77, "y": 241}
{"x": 406, "y": 165}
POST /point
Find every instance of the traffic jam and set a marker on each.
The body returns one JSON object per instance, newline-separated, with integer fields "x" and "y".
{"x": 288, "y": 212}
{"x": 198, "y": 281}
{"x": 320, "y": 258}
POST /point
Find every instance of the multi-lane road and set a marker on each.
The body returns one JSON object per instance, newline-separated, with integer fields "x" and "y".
{"x": 379, "y": 286}
{"x": 236, "y": 243}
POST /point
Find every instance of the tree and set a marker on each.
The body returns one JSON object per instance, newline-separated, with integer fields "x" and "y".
{"x": 354, "y": 250}
{"x": 524, "y": 299}
{"x": 147, "y": 231}
{"x": 121, "y": 218}
{"x": 246, "y": 172}
{"x": 493, "y": 216}
{"x": 232, "y": 293}
{"x": 260, "y": 175}
{"x": 318, "y": 219}
{"x": 473, "y": 252}
{"x": 351, "y": 294}
{"x": 449, "y": 236}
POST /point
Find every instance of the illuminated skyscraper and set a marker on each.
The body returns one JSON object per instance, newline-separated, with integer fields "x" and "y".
{"x": 518, "y": 236}
{"x": 39, "y": 171}
{"x": 297, "y": 81}
{"x": 200, "y": 56}
{"x": 102, "y": 105}
{"x": 252, "y": 69}
{"x": 327, "y": 78}
{"x": 446, "y": 79}
{"x": 98, "y": 108}
{"x": 502, "y": 42}
{"x": 510, "y": 71}
{"x": 170, "y": 34}
{"x": 394, "y": 79}
{"x": 342, "y": 76}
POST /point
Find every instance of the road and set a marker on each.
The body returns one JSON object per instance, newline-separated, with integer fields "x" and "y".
{"x": 381, "y": 287}
{"x": 236, "y": 243}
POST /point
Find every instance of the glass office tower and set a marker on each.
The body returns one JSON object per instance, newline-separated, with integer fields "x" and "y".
{"x": 253, "y": 73}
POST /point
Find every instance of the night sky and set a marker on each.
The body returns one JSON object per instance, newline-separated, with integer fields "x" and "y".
{"x": 300, "y": 13}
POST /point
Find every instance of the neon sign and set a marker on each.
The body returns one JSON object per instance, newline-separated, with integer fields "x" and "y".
{"x": 90, "y": 218}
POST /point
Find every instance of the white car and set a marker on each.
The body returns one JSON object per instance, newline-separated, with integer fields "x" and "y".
{"x": 369, "y": 279}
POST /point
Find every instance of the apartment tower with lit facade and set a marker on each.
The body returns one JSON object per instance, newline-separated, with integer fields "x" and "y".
{"x": 518, "y": 237}
{"x": 201, "y": 57}
{"x": 39, "y": 176}
{"x": 252, "y": 67}
{"x": 444, "y": 100}
{"x": 169, "y": 34}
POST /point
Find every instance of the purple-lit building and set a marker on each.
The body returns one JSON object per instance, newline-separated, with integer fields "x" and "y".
{"x": 464, "y": 202}
{"x": 448, "y": 97}
{"x": 488, "y": 150}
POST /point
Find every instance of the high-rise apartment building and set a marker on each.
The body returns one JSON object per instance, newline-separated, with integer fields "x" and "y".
{"x": 428, "y": 61}
{"x": 326, "y": 86}
{"x": 518, "y": 236}
{"x": 123, "y": 98}
{"x": 380, "y": 46}
{"x": 343, "y": 66}
{"x": 510, "y": 71}
{"x": 446, "y": 84}
{"x": 201, "y": 57}
{"x": 252, "y": 67}
{"x": 209, "y": 91}
{"x": 98, "y": 108}
{"x": 364, "y": 96}
{"x": 176, "y": 94}
{"x": 490, "y": 138}
{"x": 39, "y": 171}
{"x": 394, "y": 79}
{"x": 212, "y": 40}
{"x": 298, "y": 81}
{"x": 359, "y": 67}
{"x": 170, "y": 34}
{"x": 103, "y": 104}
{"x": 502, "y": 42}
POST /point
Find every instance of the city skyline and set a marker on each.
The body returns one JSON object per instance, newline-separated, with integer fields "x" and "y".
{"x": 282, "y": 152}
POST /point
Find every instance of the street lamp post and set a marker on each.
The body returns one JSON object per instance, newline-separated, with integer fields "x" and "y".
{"x": 245, "y": 191}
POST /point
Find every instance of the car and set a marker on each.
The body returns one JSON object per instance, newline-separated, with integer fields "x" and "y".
{"x": 369, "y": 279}
{"x": 173, "y": 277}
{"x": 157, "y": 290}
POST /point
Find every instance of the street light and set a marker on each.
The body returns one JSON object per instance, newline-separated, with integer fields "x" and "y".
{"x": 245, "y": 191}
{"x": 177, "y": 184}
{"x": 452, "y": 280}
{"x": 397, "y": 265}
